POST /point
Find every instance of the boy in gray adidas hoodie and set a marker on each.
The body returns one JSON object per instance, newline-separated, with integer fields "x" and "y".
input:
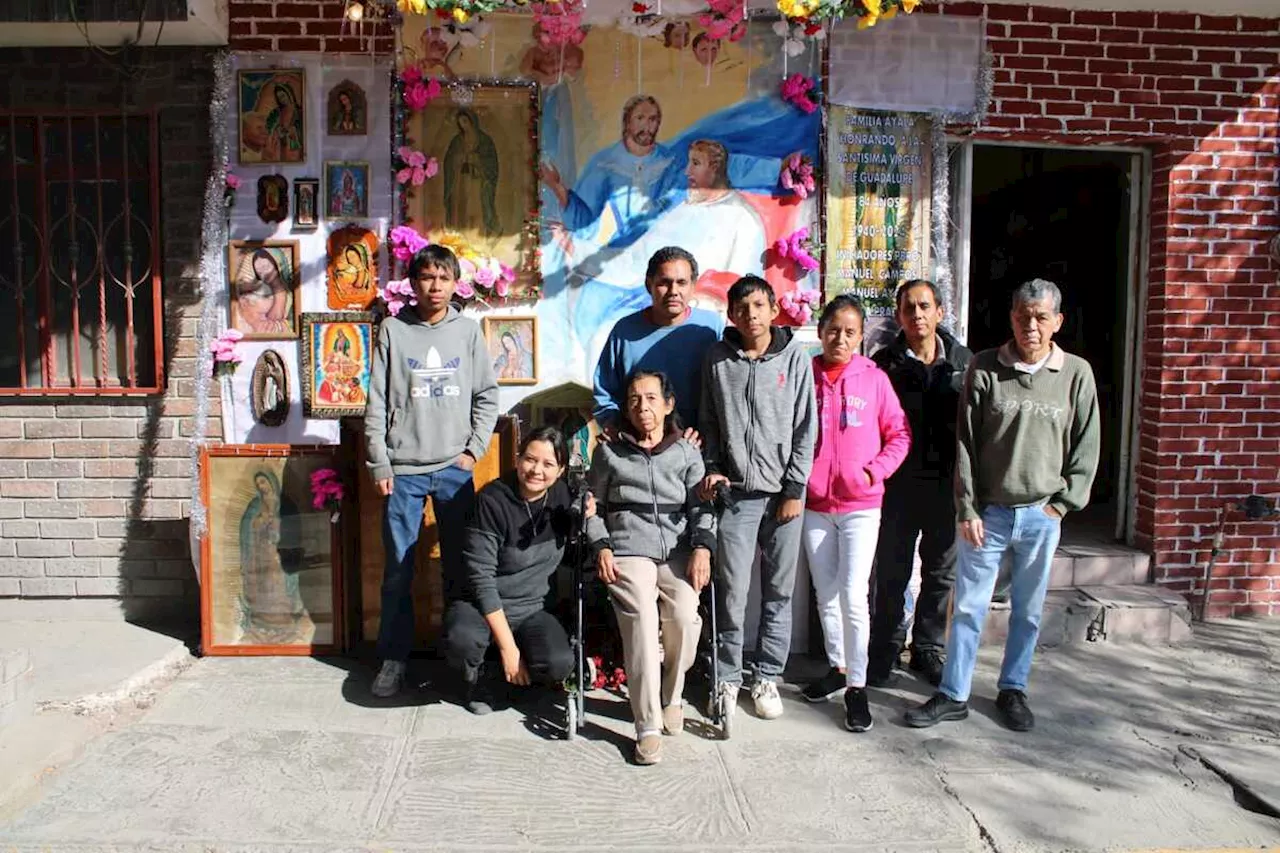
{"x": 433, "y": 403}
{"x": 758, "y": 429}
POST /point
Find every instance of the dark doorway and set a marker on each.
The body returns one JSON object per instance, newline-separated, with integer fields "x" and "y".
{"x": 1061, "y": 214}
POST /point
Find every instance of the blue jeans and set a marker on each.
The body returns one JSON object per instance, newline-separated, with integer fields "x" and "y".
{"x": 1031, "y": 535}
{"x": 452, "y": 492}
{"x": 753, "y": 526}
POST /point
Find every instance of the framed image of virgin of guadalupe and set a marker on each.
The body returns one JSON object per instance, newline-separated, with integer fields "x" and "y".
{"x": 487, "y": 190}
{"x": 270, "y": 568}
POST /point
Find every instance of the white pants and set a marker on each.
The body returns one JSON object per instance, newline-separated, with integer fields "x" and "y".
{"x": 841, "y": 548}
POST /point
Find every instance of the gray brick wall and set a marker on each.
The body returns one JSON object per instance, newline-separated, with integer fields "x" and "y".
{"x": 94, "y": 493}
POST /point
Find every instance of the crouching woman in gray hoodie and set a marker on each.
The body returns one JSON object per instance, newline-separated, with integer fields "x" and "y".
{"x": 654, "y": 541}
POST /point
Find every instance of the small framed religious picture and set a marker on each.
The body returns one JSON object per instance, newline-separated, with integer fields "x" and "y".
{"x": 264, "y": 296}
{"x": 272, "y": 125}
{"x": 273, "y": 198}
{"x": 337, "y": 358}
{"x": 352, "y": 268}
{"x": 271, "y": 571}
{"x": 306, "y": 204}
{"x": 346, "y": 189}
{"x": 269, "y": 390}
{"x": 348, "y": 110}
{"x": 513, "y": 346}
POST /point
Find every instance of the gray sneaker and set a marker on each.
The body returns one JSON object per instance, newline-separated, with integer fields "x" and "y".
{"x": 387, "y": 683}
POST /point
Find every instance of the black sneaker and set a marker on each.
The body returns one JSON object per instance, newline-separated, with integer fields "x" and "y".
{"x": 479, "y": 697}
{"x": 857, "y": 716}
{"x": 1014, "y": 710}
{"x": 938, "y": 709}
{"x": 825, "y": 687}
{"x": 929, "y": 664}
{"x": 882, "y": 677}
{"x": 389, "y": 679}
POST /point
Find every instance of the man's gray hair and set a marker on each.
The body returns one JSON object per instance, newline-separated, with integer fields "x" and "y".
{"x": 1037, "y": 289}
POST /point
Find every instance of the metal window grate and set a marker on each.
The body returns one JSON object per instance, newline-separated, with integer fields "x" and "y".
{"x": 80, "y": 288}
{"x": 91, "y": 11}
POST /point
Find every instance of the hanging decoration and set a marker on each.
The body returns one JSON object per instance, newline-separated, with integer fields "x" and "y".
{"x": 795, "y": 35}
{"x": 459, "y": 11}
{"x": 940, "y": 217}
{"x": 867, "y": 12}
{"x": 798, "y": 175}
{"x": 799, "y": 248}
{"x": 724, "y": 19}
{"x": 800, "y": 91}
{"x": 642, "y": 22}
{"x": 558, "y": 24}
{"x": 219, "y": 195}
{"x": 468, "y": 34}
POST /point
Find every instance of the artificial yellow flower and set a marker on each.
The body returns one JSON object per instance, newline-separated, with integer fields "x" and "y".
{"x": 869, "y": 19}
{"x": 418, "y": 7}
{"x": 893, "y": 10}
{"x": 909, "y": 6}
{"x": 460, "y": 14}
{"x": 798, "y": 8}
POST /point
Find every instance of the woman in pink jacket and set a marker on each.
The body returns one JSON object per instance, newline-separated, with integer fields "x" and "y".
{"x": 862, "y": 438}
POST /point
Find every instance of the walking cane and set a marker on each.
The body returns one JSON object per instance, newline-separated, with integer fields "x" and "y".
{"x": 1255, "y": 508}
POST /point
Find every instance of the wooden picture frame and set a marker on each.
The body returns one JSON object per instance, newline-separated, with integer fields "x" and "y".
{"x": 346, "y": 189}
{"x": 513, "y": 345}
{"x": 264, "y": 293}
{"x": 347, "y": 112}
{"x": 306, "y": 204}
{"x": 271, "y": 116}
{"x": 337, "y": 361}
{"x": 351, "y": 269}
{"x": 496, "y": 212}
{"x": 273, "y": 199}
{"x": 271, "y": 564}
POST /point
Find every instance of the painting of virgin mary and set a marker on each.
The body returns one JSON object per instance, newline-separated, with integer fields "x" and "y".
{"x": 271, "y": 608}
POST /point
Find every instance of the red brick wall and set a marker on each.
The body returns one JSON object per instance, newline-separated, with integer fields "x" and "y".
{"x": 294, "y": 25}
{"x": 1202, "y": 93}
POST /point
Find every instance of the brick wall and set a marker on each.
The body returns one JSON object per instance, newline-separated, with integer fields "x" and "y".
{"x": 94, "y": 494}
{"x": 287, "y": 25}
{"x": 1202, "y": 93}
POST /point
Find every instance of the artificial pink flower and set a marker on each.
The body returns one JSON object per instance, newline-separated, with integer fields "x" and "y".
{"x": 233, "y": 181}
{"x": 412, "y": 74}
{"x": 795, "y": 91}
{"x": 484, "y": 277}
{"x": 415, "y": 96}
{"x": 406, "y": 242}
{"x": 465, "y": 290}
{"x": 501, "y": 288}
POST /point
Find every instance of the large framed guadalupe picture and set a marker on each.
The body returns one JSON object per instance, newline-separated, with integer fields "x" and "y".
{"x": 270, "y": 568}
{"x": 337, "y": 359}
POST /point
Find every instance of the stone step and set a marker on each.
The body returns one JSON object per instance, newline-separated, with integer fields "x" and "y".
{"x": 1098, "y": 565}
{"x": 1132, "y": 613}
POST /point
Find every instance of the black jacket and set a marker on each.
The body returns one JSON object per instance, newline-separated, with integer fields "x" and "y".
{"x": 930, "y": 395}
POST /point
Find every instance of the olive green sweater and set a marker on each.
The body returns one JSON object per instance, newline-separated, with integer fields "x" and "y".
{"x": 1026, "y": 438}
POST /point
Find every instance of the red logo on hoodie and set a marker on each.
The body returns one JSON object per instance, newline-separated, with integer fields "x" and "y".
{"x": 782, "y": 381}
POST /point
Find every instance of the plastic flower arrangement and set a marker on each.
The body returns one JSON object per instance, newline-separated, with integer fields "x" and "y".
{"x": 797, "y": 175}
{"x": 229, "y": 193}
{"x": 414, "y": 167}
{"x": 460, "y": 11}
{"x": 799, "y": 91}
{"x": 406, "y": 242}
{"x": 327, "y": 492}
{"x": 724, "y": 19}
{"x": 417, "y": 91}
{"x": 226, "y": 356}
{"x": 798, "y": 248}
{"x": 867, "y": 12}
{"x": 558, "y": 24}
{"x": 482, "y": 276}
{"x": 798, "y": 305}
{"x": 396, "y": 295}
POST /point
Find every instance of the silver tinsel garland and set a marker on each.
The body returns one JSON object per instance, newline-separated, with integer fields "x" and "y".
{"x": 213, "y": 280}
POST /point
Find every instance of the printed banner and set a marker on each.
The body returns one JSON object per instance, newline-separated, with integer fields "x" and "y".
{"x": 879, "y": 187}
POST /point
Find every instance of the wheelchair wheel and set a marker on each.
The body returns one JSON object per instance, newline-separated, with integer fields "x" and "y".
{"x": 571, "y": 717}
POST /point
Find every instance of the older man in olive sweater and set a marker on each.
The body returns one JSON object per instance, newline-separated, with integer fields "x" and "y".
{"x": 1027, "y": 454}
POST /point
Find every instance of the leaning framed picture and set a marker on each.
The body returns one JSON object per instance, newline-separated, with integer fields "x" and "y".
{"x": 513, "y": 346}
{"x": 337, "y": 357}
{"x": 346, "y": 189}
{"x": 270, "y": 568}
{"x": 273, "y": 127}
{"x": 264, "y": 289}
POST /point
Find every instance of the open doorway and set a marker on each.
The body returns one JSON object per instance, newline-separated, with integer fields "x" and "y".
{"x": 1068, "y": 215}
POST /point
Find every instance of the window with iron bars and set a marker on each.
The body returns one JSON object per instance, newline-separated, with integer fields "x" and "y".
{"x": 80, "y": 279}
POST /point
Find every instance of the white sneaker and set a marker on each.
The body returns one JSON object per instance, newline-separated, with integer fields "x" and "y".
{"x": 768, "y": 702}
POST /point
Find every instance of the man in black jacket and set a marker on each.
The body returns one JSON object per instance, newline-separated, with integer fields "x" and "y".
{"x": 926, "y": 366}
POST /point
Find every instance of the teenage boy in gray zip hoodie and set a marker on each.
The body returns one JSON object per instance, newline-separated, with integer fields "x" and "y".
{"x": 758, "y": 429}
{"x": 433, "y": 403}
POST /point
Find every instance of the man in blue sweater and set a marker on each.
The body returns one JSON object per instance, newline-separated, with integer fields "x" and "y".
{"x": 669, "y": 336}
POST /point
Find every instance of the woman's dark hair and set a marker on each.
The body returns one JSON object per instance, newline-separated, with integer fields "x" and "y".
{"x": 747, "y": 285}
{"x": 672, "y": 423}
{"x": 551, "y": 436}
{"x": 434, "y": 256}
{"x": 917, "y": 282}
{"x": 840, "y": 303}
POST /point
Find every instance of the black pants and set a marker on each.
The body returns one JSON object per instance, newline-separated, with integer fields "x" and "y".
{"x": 913, "y": 507}
{"x": 543, "y": 643}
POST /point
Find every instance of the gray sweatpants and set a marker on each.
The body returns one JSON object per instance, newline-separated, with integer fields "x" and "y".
{"x": 755, "y": 525}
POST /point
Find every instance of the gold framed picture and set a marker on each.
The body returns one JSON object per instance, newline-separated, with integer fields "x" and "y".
{"x": 337, "y": 360}
{"x": 513, "y": 346}
{"x": 270, "y": 569}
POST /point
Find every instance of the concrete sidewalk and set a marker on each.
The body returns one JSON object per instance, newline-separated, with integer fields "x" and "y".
{"x": 293, "y": 754}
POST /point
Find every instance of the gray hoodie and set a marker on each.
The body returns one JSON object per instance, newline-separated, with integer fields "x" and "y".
{"x": 645, "y": 499}
{"x": 432, "y": 395}
{"x": 757, "y": 415}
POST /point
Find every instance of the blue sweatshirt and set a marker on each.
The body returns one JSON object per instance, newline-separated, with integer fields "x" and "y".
{"x": 676, "y": 350}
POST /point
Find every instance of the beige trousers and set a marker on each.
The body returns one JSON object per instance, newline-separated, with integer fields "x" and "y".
{"x": 641, "y": 584}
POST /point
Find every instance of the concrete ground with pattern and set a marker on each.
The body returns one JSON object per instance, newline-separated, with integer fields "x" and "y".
{"x": 1135, "y": 748}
